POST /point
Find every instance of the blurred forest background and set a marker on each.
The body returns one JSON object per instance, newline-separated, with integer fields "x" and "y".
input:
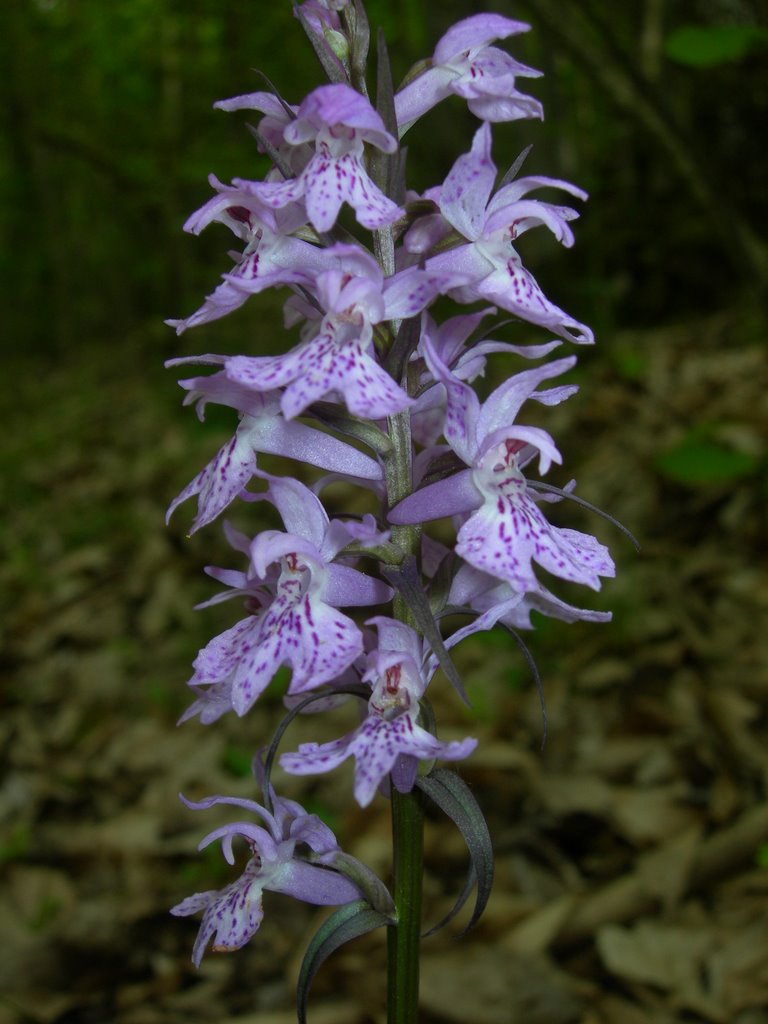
{"x": 632, "y": 852}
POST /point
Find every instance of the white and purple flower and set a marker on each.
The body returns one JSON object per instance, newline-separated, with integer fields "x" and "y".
{"x": 506, "y": 531}
{"x": 389, "y": 739}
{"x": 232, "y": 915}
{"x": 487, "y": 266}
{"x": 464, "y": 64}
{"x": 295, "y": 589}
{"x": 338, "y": 121}
{"x": 262, "y": 428}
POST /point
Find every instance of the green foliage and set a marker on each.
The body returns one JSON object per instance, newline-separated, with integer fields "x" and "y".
{"x": 706, "y": 46}
{"x": 237, "y": 761}
{"x": 15, "y": 844}
{"x": 700, "y": 460}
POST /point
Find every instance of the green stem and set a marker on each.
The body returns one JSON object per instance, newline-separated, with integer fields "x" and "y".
{"x": 403, "y": 938}
{"x": 407, "y": 811}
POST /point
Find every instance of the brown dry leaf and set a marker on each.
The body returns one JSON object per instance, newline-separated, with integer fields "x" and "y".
{"x": 665, "y": 956}
{"x": 535, "y": 933}
{"x": 665, "y": 872}
{"x": 737, "y": 972}
{"x": 652, "y": 814}
{"x": 586, "y": 794}
{"x": 491, "y": 985}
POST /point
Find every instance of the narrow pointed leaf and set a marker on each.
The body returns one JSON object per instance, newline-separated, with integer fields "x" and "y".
{"x": 514, "y": 170}
{"x": 367, "y": 881}
{"x": 407, "y": 582}
{"x": 348, "y": 922}
{"x": 452, "y": 795}
{"x": 271, "y": 152}
{"x": 406, "y": 340}
{"x": 536, "y": 678}
{"x": 539, "y": 485}
{"x": 469, "y": 884}
{"x": 334, "y": 416}
{"x": 384, "y": 165}
{"x": 359, "y": 31}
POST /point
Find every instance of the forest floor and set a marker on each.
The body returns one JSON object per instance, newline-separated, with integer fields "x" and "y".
{"x": 631, "y": 852}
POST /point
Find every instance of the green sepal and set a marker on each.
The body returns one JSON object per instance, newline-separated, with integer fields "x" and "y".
{"x": 454, "y": 797}
{"x": 348, "y": 922}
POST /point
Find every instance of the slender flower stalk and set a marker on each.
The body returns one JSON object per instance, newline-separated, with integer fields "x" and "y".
{"x": 375, "y": 392}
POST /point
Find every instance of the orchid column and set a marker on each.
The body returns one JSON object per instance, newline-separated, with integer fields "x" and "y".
{"x": 380, "y": 395}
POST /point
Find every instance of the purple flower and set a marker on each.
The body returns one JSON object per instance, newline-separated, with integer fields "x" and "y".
{"x": 450, "y": 343}
{"x": 270, "y": 259}
{"x": 339, "y": 358}
{"x": 277, "y": 116}
{"x": 507, "y": 532}
{"x": 294, "y": 590}
{"x": 389, "y": 739}
{"x": 464, "y": 64}
{"x": 488, "y": 267}
{"x": 262, "y": 429}
{"x": 232, "y": 915}
{"x": 339, "y": 121}
{"x": 496, "y": 601}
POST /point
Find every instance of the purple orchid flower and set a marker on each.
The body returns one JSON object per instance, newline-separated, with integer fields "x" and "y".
{"x": 271, "y": 258}
{"x": 262, "y": 429}
{"x": 232, "y": 915}
{"x": 488, "y": 267}
{"x": 507, "y": 532}
{"x": 496, "y": 601}
{"x": 389, "y": 739}
{"x": 294, "y": 590}
{"x": 339, "y": 358}
{"x": 277, "y": 116}
{"x": 465, "y": 64}
{"x": 339, "y": 121}
{"x": 450, "y": 342}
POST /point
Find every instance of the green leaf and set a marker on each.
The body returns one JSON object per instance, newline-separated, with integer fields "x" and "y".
{"x": 348, "y": 922}
{"x": 706, "y": 46}
{"x": 406, "y": 580}
{"x": 237, "y": 761}
{"x": 698, "y": 461}
{"x": 453, "y": 796}
{"x": 367, "y": 881}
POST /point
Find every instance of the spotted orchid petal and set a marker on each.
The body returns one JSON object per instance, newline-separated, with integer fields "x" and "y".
{"x": 232, "y": 915}
{"x": 508, "y": 533}
{"x": 328, "y": 364}
{"x": 376, "y": 746}
{"x": 464, "y": 63}
{"x": 339, "y": 121}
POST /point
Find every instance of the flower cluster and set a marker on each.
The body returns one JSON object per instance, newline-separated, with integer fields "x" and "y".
{"x": 381, "y": 396}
